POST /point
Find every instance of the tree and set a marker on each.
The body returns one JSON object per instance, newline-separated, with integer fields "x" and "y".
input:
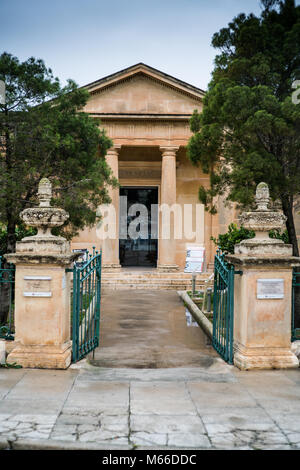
{"x": 45, "y": 133}
{"x": 249, "y": 130}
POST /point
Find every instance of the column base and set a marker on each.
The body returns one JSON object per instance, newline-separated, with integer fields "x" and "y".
{"x": 111, "y": 267}
{"x": 41, "y": 357}
{"x": 265, "y": 358}
{"x": 167, "y": 268}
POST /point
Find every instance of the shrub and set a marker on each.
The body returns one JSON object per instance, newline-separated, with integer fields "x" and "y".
{"x": 235, "y": 235}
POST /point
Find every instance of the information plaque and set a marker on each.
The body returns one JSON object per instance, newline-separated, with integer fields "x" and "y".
{"x": 195, "y": 259}
{"x": 37, "y": 286}
{"x": 270, "y": 288}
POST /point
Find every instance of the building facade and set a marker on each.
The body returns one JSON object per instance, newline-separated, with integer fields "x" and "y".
{"x": 146, "y": 113}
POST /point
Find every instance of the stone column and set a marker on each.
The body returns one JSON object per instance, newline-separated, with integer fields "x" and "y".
{"x": 167, "y": 247}
{"x": 42, "y": 289}
{"x": 263, "y": 290}
{"x": 110, "y": 246}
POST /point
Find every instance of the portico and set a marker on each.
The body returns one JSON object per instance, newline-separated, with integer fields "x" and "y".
{"x": 146, "y": 113}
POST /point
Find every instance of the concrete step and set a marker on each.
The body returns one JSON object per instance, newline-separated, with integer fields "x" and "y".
{"x": 145, "y": 275}
{"x": 152, "y": 279}
{"x": 146, "y": 283}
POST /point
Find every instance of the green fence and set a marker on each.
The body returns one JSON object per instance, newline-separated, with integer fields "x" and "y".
{"x": 296, "y": 304}
{"x": 223, "y": 308}
{"x": 85, "y": 306}
{"x": 7, "y": 294}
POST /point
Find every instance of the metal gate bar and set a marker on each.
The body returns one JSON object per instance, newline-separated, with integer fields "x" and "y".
{"x": 7, "y": 292}
{"x": 223, "y": 308}
{"x": 296, "y": 304}
{"x": 86, "y": 298}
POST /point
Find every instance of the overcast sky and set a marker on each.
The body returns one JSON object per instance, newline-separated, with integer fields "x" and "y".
{"x": 88, "y": 39}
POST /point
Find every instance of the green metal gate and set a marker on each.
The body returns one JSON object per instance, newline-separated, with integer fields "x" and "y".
{"x": 296, "y": 304}
{"x": 7, "y": 293}
{"x": 85, "y": 306}
{"x": 223, "y": 308}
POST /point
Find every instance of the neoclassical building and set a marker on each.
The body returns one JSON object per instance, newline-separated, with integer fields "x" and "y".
{"x": 146, "y": 113}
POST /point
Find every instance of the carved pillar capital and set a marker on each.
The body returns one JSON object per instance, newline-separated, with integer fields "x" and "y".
{"x": 168, "y": 151}
{"x": 113, "y": 151}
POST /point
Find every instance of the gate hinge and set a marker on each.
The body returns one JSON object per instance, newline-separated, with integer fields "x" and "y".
{"x": 238, "y": 272}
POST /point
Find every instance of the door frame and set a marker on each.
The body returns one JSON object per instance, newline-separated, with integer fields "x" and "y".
{"x": 149, "y": 186}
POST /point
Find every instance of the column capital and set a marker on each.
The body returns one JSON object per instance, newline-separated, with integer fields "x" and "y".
{"x": 169, "y": 151}
{"x": 114, "y": 150}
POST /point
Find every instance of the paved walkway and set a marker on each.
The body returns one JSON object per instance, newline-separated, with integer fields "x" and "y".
{"x": 162, "y": 386}
{"x": 148, "y": 329}
{"x": 214, "y": 408}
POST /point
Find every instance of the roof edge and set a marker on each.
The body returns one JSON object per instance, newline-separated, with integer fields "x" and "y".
{"x": 115, "y": 75}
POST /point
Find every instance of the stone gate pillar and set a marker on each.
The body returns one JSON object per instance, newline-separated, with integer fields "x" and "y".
{"x": 262, "y": 298}
{"x": 42, "y": 289}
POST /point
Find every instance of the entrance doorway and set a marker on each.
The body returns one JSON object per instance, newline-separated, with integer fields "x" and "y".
{"x": 142, "y": 250}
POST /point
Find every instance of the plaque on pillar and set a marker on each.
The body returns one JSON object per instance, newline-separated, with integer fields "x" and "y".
{"x": 270, "y": 288}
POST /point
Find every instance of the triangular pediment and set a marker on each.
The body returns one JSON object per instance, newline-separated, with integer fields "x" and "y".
{"x": 140, "y": 89}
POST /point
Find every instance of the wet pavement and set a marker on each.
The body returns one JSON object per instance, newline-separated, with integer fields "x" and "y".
{"x": 163, "y": 387}
{"x": 149, "y": 329}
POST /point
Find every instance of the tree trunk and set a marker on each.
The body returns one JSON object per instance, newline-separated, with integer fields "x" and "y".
{"x": 11, "y": 235}
{"x": 5, "y": 287}
{"x": 287, "y": 206}
{"x": 6, "y": 296}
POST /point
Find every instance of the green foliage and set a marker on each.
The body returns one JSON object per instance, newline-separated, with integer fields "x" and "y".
{"x": 45, "y": 133}
{"x": 13, "y": 365}
{"x": 20, "y": 232}
{"x": 228, "y": 240}
{"x": 235, "y": 235}
{"x": 284, "y": 236}
{"x": 249, "y": 130}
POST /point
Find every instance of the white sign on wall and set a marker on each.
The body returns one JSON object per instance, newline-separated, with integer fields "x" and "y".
{"x": 195, "y": 259}
{"x": 37, "y": 286}
{"x": 270, "y": 288}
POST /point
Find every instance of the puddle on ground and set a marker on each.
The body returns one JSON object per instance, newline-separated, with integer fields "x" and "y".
{"x": 190, "y": 319}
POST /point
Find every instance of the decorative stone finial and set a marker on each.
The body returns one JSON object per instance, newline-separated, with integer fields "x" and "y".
{"x": 45, "y": 192}
{"x": 262, "y": 197}
{"x": 44, "y": 218}
{"x": 261, "y": 221}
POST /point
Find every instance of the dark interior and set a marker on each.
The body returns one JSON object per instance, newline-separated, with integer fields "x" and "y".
{"x": 140, "y": 252}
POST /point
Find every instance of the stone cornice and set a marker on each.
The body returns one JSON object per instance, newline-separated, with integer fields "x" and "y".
{"x": 36, "y": 259}
{"x": 141, "y": 117}
{"x": 259, "y": 261}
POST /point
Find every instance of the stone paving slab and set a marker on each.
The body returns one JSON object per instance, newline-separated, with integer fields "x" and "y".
{"x": 182, "y": 408}
{"x": 8, "y": 379}
{"x": 223, "y": 395}
{"x": 218, "y": 372}
{"x": 161, "y": 398}
{"x": 109, "y": 397}
{"x": 36, "y": 384}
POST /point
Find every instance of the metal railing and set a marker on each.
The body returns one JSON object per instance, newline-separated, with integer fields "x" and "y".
{"x": 7, "y": 295}
{"x": 223, "y": 307}
{"x": 296, "y": 304}
{"x": 85, "y": 306}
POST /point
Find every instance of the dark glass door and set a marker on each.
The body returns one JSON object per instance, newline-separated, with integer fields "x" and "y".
{"x": 140, "y": 250}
